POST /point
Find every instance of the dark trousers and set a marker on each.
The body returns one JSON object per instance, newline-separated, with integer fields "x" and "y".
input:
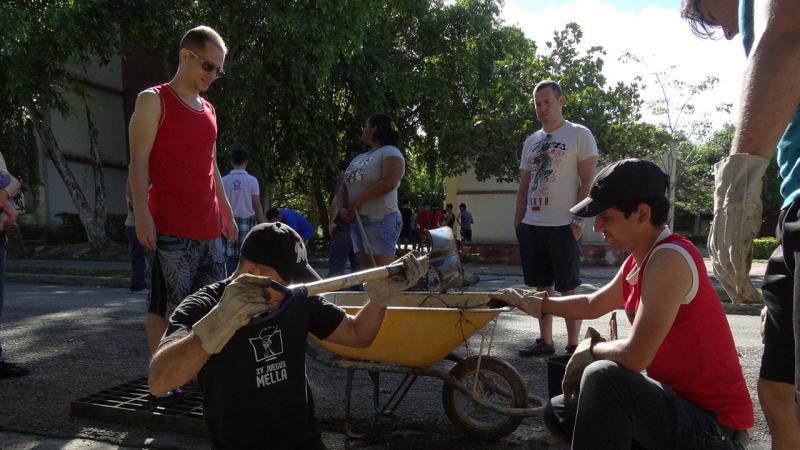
{"x": 138, "y": 260}
{"x": 341, "y": 251}
{"x": 621, "y": 409}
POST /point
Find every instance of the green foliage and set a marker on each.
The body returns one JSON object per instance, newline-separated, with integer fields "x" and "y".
{"x": 763, "y": 247}
{"x": 304, "y": 75}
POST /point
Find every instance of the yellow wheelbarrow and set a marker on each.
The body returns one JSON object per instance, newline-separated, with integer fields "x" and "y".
{"x": 483, "y": 396}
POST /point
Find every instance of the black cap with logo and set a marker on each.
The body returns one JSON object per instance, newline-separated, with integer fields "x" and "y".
{"x": 277, "y": 245}
{"x": 629, "y": 179}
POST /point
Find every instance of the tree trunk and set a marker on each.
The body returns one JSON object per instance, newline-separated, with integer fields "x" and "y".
{"x": 670, "y": 167}
{"x": 90, "y": 218}
{"x": 100, "y": 212}
{"x": 322, "y": 208}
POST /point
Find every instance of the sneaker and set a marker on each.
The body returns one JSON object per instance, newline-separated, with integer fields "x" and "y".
{"x": 9, "y": 370}
{"x": 538, "y": 348}
{"x": 570, "y": 349}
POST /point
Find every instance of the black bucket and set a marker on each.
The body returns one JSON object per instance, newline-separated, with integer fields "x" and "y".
{"x": 556, "y": 366}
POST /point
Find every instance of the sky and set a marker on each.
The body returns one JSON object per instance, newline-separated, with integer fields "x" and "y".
{"x": 650, "y": 29}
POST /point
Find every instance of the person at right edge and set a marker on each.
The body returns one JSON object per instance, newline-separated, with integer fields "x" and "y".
{"x": 769, "y": 117}
{"x": 694, "y": 395}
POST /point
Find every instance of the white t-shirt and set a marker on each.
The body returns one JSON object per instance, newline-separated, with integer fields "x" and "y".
{"x": 240, "y": 187}
{"x": 553, "y": 160}
{"x": 364, "y": 171}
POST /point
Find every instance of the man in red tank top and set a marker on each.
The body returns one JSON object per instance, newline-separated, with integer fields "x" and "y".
{"x": 694, "y": 395}
{"x": 179, "y": 200}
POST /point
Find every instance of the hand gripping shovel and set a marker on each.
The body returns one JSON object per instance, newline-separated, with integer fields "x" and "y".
{"x": 443, "y": 259}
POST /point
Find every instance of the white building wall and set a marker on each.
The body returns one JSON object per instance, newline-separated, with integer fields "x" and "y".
{"x": 103, "y": 88}
{"x": 492, "y": 205}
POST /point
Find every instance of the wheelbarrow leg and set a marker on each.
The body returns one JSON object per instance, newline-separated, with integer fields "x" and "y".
{"x": 397, "y": 396}
{"x": 348, "y": 393}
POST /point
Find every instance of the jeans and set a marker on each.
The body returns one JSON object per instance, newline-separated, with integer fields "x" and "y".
{"x": 621, "y": 409}
{"x": 138, "y": 260}
{"x": 341, "y": 250}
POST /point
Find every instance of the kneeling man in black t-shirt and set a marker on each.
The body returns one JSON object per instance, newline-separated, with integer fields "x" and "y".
{"x": 253, "y": 376}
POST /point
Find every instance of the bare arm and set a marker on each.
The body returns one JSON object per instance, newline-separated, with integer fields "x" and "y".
{"x": 765, "y": 112}
{"x": 142, "y": 133}
{"x": 586, "y": 170}
{"x": 392, "y": 168}
{"x": 666, "y": 281}
{"x": 586, "y": 175}
{"x": 258, "y": 209}
{"x": 522, "y": 196}
{"x": 229, "y": 228}
{"x": 175, "y": 363}
{"x": 359, "y": 330}
{"x": 590, "y": 306}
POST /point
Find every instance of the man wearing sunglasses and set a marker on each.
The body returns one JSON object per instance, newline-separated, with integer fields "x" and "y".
{"x": 769, "y": 118}
{"x": 179, "y": 201}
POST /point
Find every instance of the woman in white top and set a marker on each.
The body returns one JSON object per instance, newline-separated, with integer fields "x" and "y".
{"x": 370, "y": 190}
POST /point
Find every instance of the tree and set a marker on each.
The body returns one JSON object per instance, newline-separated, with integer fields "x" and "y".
{"x": 680, "y": 120}
{"x": 39, "y": 40}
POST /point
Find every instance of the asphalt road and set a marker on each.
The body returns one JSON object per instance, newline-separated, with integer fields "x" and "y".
{"x": 78, "y": 341}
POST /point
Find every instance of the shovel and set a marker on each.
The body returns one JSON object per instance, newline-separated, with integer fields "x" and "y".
{"x": 442, "y": 258}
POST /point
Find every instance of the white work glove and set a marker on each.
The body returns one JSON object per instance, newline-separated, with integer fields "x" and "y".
{"x": 382, "y": 291}
{"x": 245, "y": 297}
{"x": 526, "y": 300}
{"x": 737, "y": 218}
{"x": 580, "y": 359}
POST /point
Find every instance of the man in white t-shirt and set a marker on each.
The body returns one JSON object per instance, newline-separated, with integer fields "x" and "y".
{"x": 557, "y": 167}
{"x": 242, "y": 191}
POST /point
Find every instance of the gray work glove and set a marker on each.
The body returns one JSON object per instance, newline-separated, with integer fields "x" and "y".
{"x": 526, "y": 300}
{"x": 737, "y": 218}
{"x": 245, "y": 297}
{"x": 382, "y": 291}
{"x": 581, "y": 358}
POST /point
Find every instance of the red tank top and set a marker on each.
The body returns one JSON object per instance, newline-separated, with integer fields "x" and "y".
{"x": 697, "y": 358}
{"x": 182, "y": 196}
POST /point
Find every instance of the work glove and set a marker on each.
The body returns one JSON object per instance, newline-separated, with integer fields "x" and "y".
{"x": 581, "y": 358}
{"x": 737, "y": 218}
{"x": 245, "y": 297}
{"x": 526, "y": 300}
{"x": 382, "y": 291}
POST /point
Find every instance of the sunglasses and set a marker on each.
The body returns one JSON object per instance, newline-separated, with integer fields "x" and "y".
{"x": 207, "y": 65}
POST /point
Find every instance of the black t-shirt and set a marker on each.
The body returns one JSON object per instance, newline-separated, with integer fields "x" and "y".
{"x": 255, "y": 390}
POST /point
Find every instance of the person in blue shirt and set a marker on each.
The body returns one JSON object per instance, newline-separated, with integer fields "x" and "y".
{"x": 294, "y": 219}
{"x": 769, "y": 119}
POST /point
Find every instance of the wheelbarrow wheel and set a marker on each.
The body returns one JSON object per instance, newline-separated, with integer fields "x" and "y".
{"x": 498, "y": 383}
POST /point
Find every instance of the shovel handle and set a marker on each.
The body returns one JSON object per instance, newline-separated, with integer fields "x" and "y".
{"x": 353, "y": 279}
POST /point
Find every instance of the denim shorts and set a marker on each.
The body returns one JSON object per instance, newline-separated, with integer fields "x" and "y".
{"x": 382, "y": 233}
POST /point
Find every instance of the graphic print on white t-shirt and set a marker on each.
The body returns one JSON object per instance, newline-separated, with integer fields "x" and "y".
{"x": 552, "y": 160}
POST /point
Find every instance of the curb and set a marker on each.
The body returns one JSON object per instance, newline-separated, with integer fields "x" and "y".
{"x": 72, "y": 280}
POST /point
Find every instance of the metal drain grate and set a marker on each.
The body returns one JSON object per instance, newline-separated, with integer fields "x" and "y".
{"x": 131, "y": 403}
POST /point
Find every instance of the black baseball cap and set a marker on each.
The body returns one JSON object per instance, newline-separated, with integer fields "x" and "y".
{"x": 277, "y": 245}
{"x": 629, "y": 179}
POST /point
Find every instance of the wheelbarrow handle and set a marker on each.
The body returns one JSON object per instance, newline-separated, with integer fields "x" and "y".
{"x": 353, "y": 279}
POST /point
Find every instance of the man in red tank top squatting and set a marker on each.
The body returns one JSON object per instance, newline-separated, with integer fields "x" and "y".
{"x": 179, "y": 200}
{"x": 694, "y": 395}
